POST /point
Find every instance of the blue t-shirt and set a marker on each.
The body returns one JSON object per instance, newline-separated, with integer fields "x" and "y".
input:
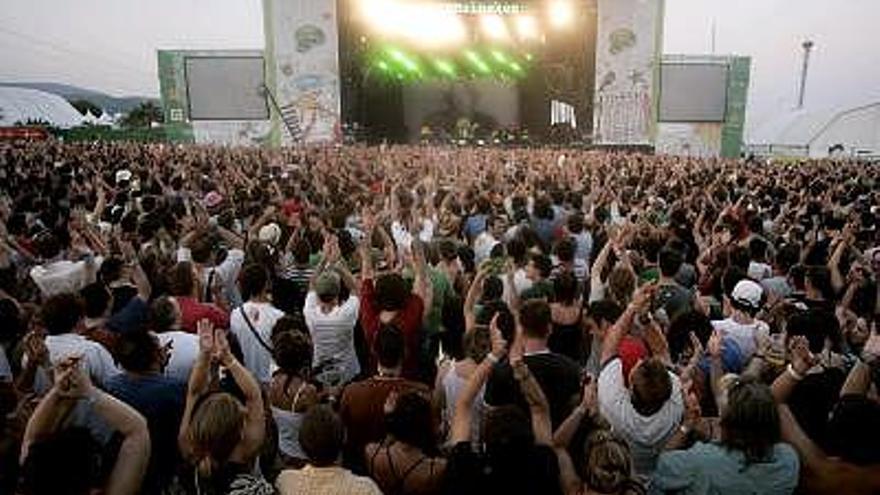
{"x": 475, "y": 225}
{"x": 711, "y": 468}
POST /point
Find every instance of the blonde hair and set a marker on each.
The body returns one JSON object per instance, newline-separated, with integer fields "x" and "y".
{"x": 607, "y": 463}
{"x": 215, "y": 431}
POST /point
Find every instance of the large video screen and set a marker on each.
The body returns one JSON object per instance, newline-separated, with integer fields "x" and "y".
{"x": 226, "y": 88}
{"x": 693, "y": 92}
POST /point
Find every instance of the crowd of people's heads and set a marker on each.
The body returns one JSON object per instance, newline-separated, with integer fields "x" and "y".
{"x": 426, "y": 320}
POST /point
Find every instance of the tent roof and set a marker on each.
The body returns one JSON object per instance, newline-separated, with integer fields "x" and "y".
{"x": 23, "y": 104}
{"x": 800, "y": 127}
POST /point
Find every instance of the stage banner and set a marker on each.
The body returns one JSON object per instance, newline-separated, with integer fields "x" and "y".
{"x": 172, "y": 88}
{"x": 737, "y": 98}
{"x": 628, "y": 53}
{"x": 302, "y": 62}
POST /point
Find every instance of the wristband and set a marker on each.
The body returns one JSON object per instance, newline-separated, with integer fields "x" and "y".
{"x": 794, "y": 374}
{"x": 492, "y": 358}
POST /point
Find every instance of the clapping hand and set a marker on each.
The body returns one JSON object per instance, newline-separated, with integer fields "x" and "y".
{"x": 71, "y": 380}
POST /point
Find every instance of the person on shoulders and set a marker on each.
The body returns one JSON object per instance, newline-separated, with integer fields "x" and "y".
{"x": 647, "y": 408}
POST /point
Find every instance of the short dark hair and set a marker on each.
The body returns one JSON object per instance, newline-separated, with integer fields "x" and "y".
{"x": 410, "y": 422}
{"x": 535, "y": 318}
{"x": 60, "y": 313}
{"x": 493, "y": 288}
{"x": 680, "y": 330}
{"x": 302, "y": 250}
{"x": 670, "y": 261}
{"x": 47, "y": 245}
{"x": 848, "y": 436}
{"x": 758, "y": 249}
{"x": 750, "y": 422}
{"x": 651, "y": 387}
{"x": 321, "y": 436}
{"x": 820, "y": 278}
{"x": 565, "y": 249}
{"x": 162, "y": 315}
{"x": 65, "y": 462}
{"x": 292, "y": 352}
{"x": 253, "y": 281}
{"x": 605, "y": 310}
{"x": 96, "y": 299}
{"x": 516, "y": 249}
{"x": 391, "y": 292}
{"x": 565, "y": 288}
{"x": 507, "y": 429}
{"x": 137, "y": 351}
{"x": 389, "y": 346}
{"x": 575, "y": 223}
{"x": 201, "y": 249}
{"x": 543, "y": 264}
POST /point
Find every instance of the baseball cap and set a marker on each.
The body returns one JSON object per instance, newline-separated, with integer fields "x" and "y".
{"x": 270, "y": 233}
{"x": 327, "y": 285}
{"x": 747, "y": 293}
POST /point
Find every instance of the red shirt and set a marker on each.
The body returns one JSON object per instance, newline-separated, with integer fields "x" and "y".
{"x": 408, "y": 320}
{"x": 191, "y": 311}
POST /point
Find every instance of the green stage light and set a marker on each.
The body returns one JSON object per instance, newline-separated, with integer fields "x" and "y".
{"x": 477, "y": 61}
{"x": 383, "y": 65}
{"x": 516, "y": 67}
{"x": 445, "y": 67}
{"x": 529, "y": 57}
{"x": 499, "y": 56}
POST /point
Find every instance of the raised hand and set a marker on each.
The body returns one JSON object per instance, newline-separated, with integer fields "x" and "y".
{"x": 499, "y": 345}
{"x": 802, "y": 360}
{"x": 205, "y": 331}
{"x": 222, "y": 353}
{"x": 714, "y": 345}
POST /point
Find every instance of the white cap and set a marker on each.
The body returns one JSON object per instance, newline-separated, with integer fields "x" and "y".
{"x": 747, "y": 293}
{"x": 122, "y": 175}
{"x": 270, "y": 233}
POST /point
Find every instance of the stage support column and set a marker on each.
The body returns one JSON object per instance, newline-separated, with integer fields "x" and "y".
{"x": 302, "y": 70}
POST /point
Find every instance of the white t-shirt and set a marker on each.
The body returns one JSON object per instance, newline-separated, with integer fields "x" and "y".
{"x": 521, "y": 283}
{"x": 647, "y": 435}
{"x": 97, "y": 359}
{"x": 745, "y": 336}
{"x": 262, "y": 316}
{"x": 759, "y": 271}
{"x": 333, "y": 333}
{"x": 63, "y": 276}
{"x": 227, "y": 272}
{"x": 184, "y": 351}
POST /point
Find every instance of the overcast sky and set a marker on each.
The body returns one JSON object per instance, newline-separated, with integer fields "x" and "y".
{"x": 110, "y": 45}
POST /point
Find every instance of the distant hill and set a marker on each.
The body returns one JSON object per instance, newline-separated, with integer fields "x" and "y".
{"x": 109, "y": 103}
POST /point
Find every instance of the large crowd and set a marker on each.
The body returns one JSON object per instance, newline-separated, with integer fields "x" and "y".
{"x": 427, "y": 320}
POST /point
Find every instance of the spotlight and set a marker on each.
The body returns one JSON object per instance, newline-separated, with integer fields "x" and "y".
{"x": 494, "y": 27}
{"x": 561, "y": 13}
{"x": 526, "y": 27}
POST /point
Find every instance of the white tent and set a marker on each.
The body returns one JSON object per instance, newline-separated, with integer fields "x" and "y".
{"x": 22, "y": 104}
{"x": 851, "y": 132}
{"x": 89, "y": 118}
